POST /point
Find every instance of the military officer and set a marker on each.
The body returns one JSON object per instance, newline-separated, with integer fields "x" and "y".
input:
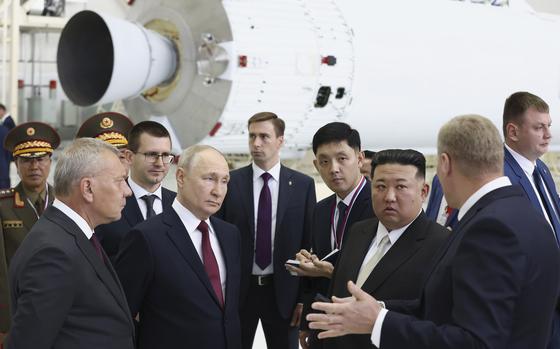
{"x": 110, "y": 127}
{"x": 31, "y": 145}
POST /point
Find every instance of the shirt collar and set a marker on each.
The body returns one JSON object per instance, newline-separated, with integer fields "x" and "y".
{"x": 188, "y": 218}
{"x": 485, "y": 189}
{"x": 75, "y": 217}
{"x": 527, "y": 165}
{"x": 274, "y": 171}
{"x": 347, "y": 200}
{"x": 394, "y": 234}
{"x": 139, "y": 191}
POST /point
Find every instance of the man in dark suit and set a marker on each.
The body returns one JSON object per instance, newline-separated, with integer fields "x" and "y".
{"x": 21, "y": 207}
{"x": 437, "y": 209}
{"x": 65, "y": 293}
{"x": 149, "y": 156}
{"x": 6, "y": 125}
{"x": 180, "y": 270}
{"x": 389, "y": 256}
{"x": 497, "y": 278}
{"x": 338, "y": 159}
{"x": 526, "y": 127}
{"x": 275, "y": 223}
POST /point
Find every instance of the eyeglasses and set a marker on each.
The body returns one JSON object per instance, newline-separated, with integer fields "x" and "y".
{"x": 152, "y": 157}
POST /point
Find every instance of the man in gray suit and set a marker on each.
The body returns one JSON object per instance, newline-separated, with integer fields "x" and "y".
{"x": 64, "y": 291}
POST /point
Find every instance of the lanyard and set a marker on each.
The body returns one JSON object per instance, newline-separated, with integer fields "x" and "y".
{"x": 333, "y": 224}
{"x": 33, "y": 205}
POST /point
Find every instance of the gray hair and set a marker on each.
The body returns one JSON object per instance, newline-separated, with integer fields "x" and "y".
{"x": 188, "y": 155}
{"x": 474, "y": 143}
{"x": 80, "y": 159}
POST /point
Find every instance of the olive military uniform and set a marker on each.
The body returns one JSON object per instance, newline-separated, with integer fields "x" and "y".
{"x": 20, "y": 208}
{"x": 17, "y": 215}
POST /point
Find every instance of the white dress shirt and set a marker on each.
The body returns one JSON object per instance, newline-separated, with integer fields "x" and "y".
{"x": 471, "y": 201}
{"x": 75, "y": 217}
{"x": 528, "y": 167}
{"x": 273, "y": 185}
{"x": 138, "y": 192}
{"x": 191, "y": 224}
{"x": 348, "y": 201}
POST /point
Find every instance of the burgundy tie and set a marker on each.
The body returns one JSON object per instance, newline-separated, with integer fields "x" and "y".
{"x": 264, "y": 224}
{"x": 95, "y": 242}
{"x": 210, "y": 263}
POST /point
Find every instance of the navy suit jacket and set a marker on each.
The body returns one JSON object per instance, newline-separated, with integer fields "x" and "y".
{"x": 296, "y": 199}
{"x": 164, "y": 280}
{"x": 434, "y": 203}
{"x": 518, "y": 177}
{"x": 495, "y": 284}
{"x": 110, "y": 235}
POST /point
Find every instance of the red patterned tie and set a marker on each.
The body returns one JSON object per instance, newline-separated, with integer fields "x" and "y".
{"x": 210, "y": 263}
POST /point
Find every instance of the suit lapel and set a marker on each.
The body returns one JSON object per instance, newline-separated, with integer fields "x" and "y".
{"x": 84, "y": 245}
{"x": 405, "y": 247}
{"x": 247, "y": 193}
{"x": 131, "y": 211}
{"x": 522, "y": 180}
{"x": 227, "y": 253}
{"x": 360, "y": 246}
{"x": 284, "y": 193}
{"x": 179, "y": 236}
{"x": 362, "y": 202}
{"x": 549, "y": 183}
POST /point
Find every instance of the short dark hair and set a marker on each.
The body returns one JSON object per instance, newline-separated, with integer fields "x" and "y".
{"x": 368, "y": 154}
{"x": 400, "y": 157}
{"x": 154, "y": 129}
{"x": 336, "y": 132}
{"x": 3, "y": 107}
{"x": 279, "y": 125}
{"x": 517, "y": 104}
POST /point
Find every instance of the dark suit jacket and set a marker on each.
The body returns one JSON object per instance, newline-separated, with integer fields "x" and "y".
{"x": 362, "y": 209}
{"x": 164, "y": 279}
{"x": 398, "y": 275}
{"x": 494, "y": 286}
{"x": 321, "y": 238}
{"x": 296, "y": 199}
{"x": 434, "y": 203}
{"x": 63, "y": 295}
{"x": 111, "y": 234}
{"x": 518, "y": 177}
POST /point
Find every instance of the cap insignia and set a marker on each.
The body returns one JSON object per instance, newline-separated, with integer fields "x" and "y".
{"x": 30, "y": 131}
{"x": 106, "y": 122}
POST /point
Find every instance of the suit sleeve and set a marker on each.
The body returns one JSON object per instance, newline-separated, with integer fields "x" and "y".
{"x": 486, "y": 275}
{"x": 4, "y": 286}
{"x": 44, "y": 291}
{"x": 310, "y": 203}
{"x": 134, "y": 266}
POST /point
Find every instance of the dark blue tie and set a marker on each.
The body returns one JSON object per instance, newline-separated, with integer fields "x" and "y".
{"x": 264, "y": 225}
{"x": 342, "y": 207}
{"x": 546, "y": 202}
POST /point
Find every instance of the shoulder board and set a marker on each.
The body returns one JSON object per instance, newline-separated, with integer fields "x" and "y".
{"x": 7, "y": 193}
